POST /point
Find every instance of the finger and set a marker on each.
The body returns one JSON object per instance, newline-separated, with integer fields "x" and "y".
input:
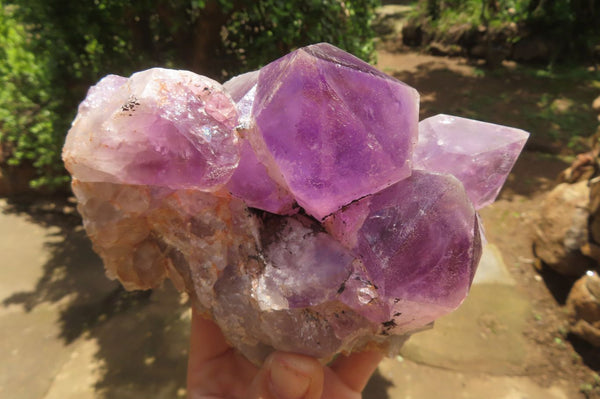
{"x": 355, "y": 370}
{"x": 334, "y": 388}
{"x": 206, "y": 340}
{"x": 214, "y": 368}
{"x": 288, "y": 376}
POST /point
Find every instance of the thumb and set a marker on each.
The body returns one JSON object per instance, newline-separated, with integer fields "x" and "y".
{"x": 288, "y": 376}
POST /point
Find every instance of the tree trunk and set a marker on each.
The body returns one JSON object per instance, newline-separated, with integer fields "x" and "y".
{"x": 207, "y": 52}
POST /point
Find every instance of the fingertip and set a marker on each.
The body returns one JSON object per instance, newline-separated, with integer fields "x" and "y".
{"x": 207, "y": 340}
{"x": 288, "y": 376}
{"x": 206, "y": 343}
{"x": 295, "y": 376}
{"x": 356, "y": 369}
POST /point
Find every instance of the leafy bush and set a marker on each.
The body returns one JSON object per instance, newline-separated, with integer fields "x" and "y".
{"x": 29, "y": 104}
{"x": 447, "y": 13}
{"x": 264, "y": 30}
{"x": 52, "y": 51}
{"x": 573, "y": 26}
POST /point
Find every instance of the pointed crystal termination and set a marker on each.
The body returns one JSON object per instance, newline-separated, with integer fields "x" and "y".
{"x": 333, "y": 127}
{"x": 251, "y": 181}
{"x": 419, "y": 242}
{"x": 159, "y": 127}
{"x": 479, "y": 154}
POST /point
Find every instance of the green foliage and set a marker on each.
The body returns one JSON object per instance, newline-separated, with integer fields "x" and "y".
{"x": 52, "y": 51}
{"x": 574, "y": 26}
{"x": 263, "y": 30}
{"x": 448, "y": 13}
{"x": 28, "y": 104}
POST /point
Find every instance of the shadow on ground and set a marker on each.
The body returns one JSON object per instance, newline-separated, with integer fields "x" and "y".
{"x": 134, "y": 331}
{"x": 558, "y": 284}
{"x": 589, "y": 354}
{"x": 377, "y": 388}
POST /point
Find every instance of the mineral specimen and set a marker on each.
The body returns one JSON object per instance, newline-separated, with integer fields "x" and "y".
{"x": 286, "y": 202}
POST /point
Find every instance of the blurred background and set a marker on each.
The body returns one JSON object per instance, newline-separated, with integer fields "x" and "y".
{"x": 529, "y": 329}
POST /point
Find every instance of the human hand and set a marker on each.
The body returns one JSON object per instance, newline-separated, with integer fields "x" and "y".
{"x": 217, "y": 371}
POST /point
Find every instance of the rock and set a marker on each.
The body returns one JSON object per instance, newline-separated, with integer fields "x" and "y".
{"x": 582, "y": 169}
{"x": 412, "y": 35}
{"x": 464, "y": 35}
{"x": 593, "y": 248}
{"x": 162, "y": 185}
{"x": 583, "y": 305}
{"x": 479, "y": 51}
{"x": 497, "y": 40}
{"x": 533, "y": 48}
{"x": 496, "y": 53}
{"x": 596, "y": 105}
{"x": 562, "y": 229}
{"x": 441, "y": 49}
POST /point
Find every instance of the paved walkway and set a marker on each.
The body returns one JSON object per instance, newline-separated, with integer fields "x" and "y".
{"x": 67, "y": 332}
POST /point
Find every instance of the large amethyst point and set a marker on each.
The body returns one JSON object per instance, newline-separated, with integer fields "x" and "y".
{"x": 335, "y": 128}
{"x": 479, "y": 154}
{"x": 419, "y": 241}
{"x": 159, "y": 127}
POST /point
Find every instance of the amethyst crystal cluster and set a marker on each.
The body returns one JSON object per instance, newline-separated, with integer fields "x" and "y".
{"x": 303, "y": 206}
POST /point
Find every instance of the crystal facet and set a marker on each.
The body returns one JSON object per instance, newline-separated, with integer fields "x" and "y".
{"x": 479, "y": 154}
{"x": 335, "y": 128}
{"x": 159, "y": 127}
{"x": 419, "y": 241}
{"x": 251, "y": 180}
{"x": 286, "y": 202}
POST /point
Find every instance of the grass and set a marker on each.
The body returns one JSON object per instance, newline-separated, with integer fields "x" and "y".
{"x": 565, "y": 72}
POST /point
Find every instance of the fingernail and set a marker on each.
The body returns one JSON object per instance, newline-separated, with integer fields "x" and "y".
{"x": 290, "y": 378}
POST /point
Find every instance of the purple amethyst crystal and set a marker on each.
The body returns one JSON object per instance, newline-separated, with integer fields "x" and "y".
{"x": 334, "y": 128}
{"x": 419, "y": 242}
{"x": 251, "y": 180}
{"x": 159, "y": 127}
{"x": 479, "y": 154}
{"x": 285, "y": 202}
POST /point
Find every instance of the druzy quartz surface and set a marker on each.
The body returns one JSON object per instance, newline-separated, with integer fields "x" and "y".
{"x": 301, "y": 206}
